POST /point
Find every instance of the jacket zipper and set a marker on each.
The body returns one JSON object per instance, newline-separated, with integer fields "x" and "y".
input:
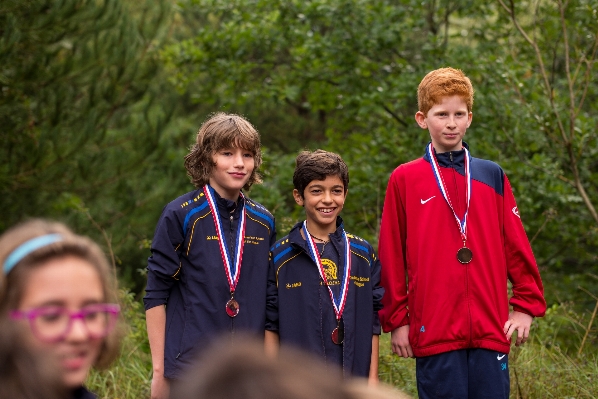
{"x": 466, "y": 265}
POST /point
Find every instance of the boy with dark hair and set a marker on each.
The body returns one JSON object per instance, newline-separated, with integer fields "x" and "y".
{"x": 323, "y": 284}
{"x": 450, "y": 237}
{"x": 209, "y": 261}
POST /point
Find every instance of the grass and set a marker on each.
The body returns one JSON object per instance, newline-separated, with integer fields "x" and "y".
{"x": 550, "y": 365}
{"x": 130, "y": 375}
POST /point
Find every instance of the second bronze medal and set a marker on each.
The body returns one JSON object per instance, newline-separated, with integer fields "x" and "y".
{"x": 338, "y": 334}
{"x": 232, "y": 307}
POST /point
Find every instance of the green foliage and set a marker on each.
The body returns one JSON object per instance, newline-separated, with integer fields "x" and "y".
{"x": 395, "y": 370}
{"x": 349, "y": 69}
{"x": 276, "y": 193}
{"x": 535, "y": 96}
{"x": 346, "y": 70}
{"x": 548, "y": 366}
{"x": 96, "y": 136}
{"x": 85, "y": 110}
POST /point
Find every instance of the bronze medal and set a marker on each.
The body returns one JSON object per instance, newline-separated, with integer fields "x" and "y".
{"x": 232, "y": 307}
{"x": 464, "y": 255}
{"x": 232, "y": 261}
{"x": 338, "y": 304}
{"x": 338, "y": 334}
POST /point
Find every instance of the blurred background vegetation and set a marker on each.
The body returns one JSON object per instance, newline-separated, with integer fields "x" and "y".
{"x": 100, "y": 100}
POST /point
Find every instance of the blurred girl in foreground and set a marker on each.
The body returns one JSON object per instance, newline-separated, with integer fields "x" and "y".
{"x": 58, "y": 290}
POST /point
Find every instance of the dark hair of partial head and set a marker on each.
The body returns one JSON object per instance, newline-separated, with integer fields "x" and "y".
{"x": 241, "y": 370}
{"x": 441, "y": 83}
{"x": 318, "y": 165}
{"x": 222, "y": 131}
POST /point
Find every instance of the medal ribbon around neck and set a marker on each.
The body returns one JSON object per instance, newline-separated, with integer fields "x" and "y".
{"x": 338, "y": 304}
{"x": 232, "y": 267}
{"x": 442, "y": 186}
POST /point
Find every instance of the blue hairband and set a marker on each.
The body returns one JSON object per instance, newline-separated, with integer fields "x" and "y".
{"x": 28, "y": 247}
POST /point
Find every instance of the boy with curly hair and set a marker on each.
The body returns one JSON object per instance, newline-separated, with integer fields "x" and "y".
{"x": 208, "y": 270}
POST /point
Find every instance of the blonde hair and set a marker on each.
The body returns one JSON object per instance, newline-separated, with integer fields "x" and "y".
{"x": 12, "y": 284}
{"x": 220, "y": 131}
{"x": 444, "y": 82}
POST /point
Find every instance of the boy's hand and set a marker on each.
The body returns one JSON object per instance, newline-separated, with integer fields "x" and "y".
{"x": 399, "y": 341}
{"x": 520, "y": 322}
{"x": 160, "y": 388}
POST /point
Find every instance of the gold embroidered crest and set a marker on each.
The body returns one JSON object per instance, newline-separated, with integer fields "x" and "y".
{"x": 330, "y": 270}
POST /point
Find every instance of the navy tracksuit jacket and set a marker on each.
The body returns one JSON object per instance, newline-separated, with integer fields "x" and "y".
{"x": 186, "y": 272}
{"x": 299, "y": 307}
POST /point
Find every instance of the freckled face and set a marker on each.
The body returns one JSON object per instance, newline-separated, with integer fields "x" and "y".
{"x": 72, "y": 283}
{"x": 447, "y": 123}
{"x": 323, "y": 201}
{"x": 232, "y": 171}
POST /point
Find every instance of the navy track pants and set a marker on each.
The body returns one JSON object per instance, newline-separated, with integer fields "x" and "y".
{"x": 463, "y": 374}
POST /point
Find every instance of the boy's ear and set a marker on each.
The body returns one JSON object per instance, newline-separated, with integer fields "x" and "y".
{"x": 298, "y": 197}
{"x": 470, "y": 118}
{"x": 420, "y": 118}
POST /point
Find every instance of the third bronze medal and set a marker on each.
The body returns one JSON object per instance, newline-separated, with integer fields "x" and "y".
{"x": 464, "y": 254}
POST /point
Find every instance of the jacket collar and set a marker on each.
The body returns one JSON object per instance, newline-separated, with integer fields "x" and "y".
{"x": 336, "y": 238}
{"x": 444, "y": 158}
{"x": 226, "y": 206}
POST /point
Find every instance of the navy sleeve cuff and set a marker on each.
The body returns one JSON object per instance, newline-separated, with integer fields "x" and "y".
{"x": 271, "y": 326}
{"x": 376, "y": 328}
{"x": 149, "y": 303}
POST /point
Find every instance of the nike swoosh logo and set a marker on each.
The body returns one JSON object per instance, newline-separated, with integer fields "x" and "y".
{"x": 516, "y": 212}
{"x": 423, "y": 202}
{"x": 499, "y": 357}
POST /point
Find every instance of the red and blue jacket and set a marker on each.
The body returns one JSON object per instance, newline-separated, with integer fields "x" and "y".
{"x": 449, "y": 305}
{"x": 299, "y": 307}
{"x": 186, "y": 273}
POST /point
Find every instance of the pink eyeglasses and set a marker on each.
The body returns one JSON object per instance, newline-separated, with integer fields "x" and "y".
{"x": 53, "y": 323}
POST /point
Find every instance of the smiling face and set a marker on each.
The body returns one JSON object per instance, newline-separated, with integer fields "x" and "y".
{"x": 71, "y": 283}
{"x": 323, "y": 200}
{"x": 232, "y": 171}
{"x": 447, "y": 123}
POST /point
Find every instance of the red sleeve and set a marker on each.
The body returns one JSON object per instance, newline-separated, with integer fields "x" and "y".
{"x": 522, "y": 270}
{"x": 391, "y": 250}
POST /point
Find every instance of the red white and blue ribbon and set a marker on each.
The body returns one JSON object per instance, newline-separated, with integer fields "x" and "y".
{"x": 462, "y": 223}
{"x": 232, "y": 265}
{"x": 337, "y": 303}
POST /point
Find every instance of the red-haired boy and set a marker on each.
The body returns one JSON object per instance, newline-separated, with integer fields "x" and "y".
{"x": 450, "y": 237}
